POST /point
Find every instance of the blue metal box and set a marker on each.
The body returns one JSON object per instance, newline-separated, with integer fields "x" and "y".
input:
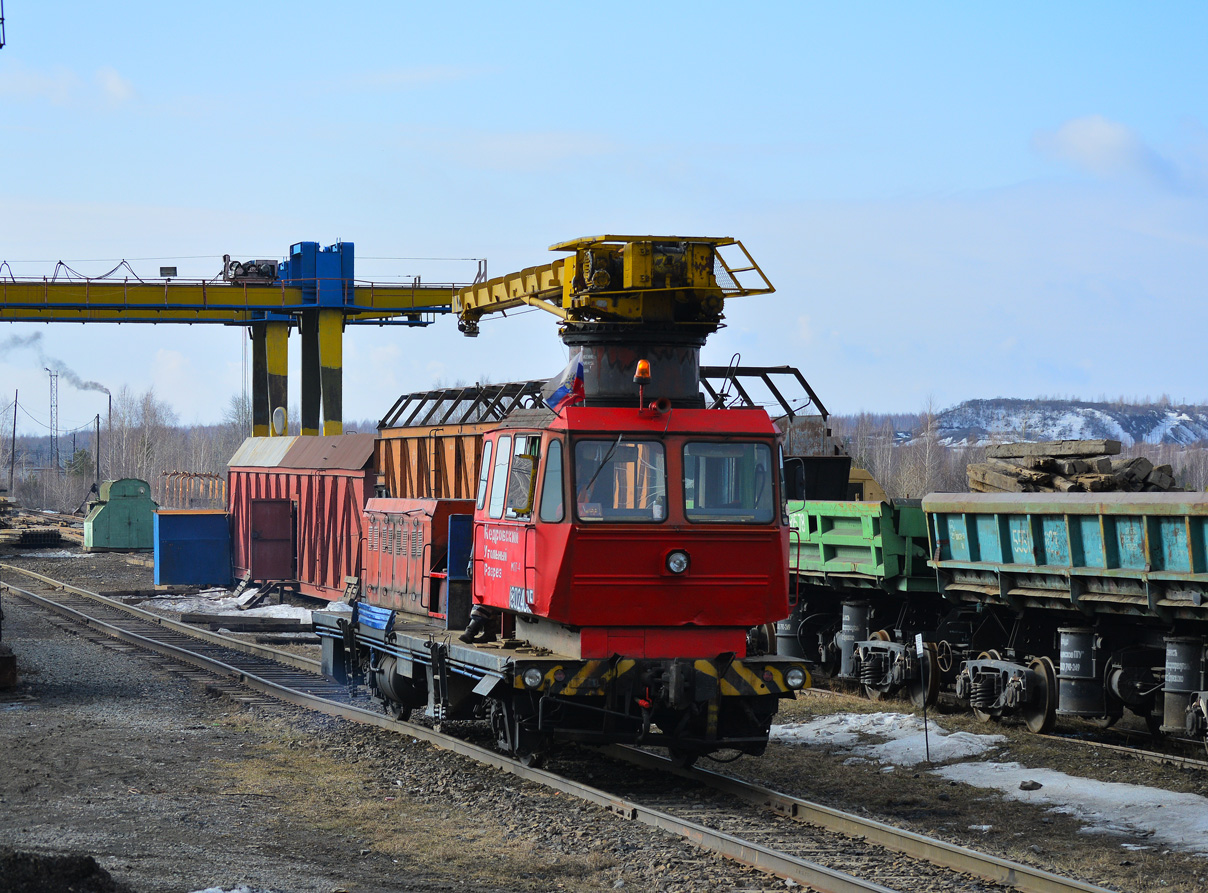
{"x": 192, "y": 548}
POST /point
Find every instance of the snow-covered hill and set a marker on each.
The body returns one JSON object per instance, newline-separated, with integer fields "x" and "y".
{"x": 987, "y": 421}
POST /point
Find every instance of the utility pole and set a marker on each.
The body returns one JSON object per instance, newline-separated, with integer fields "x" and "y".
{"x": 54, "y": 417}
{"x": 12, "y": 460}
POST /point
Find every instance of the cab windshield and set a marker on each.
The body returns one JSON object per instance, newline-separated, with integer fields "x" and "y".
{"x": 728, "y": 482}
{"x": 620, "y": 481}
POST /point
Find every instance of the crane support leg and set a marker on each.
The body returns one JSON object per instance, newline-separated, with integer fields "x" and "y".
{"x": 312, "y": 387}
{"x": 277, "y": 350}
{"x": 331, "y": 369}
{"x": 260, "y": 410}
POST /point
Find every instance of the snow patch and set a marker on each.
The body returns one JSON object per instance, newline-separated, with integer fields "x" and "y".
{"x": 222, "y": 602}
{"x": 1176, "y": 820}
{"x": 905, "y": 743}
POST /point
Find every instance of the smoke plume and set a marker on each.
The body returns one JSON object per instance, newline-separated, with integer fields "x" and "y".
{"x": 34, "y": 342}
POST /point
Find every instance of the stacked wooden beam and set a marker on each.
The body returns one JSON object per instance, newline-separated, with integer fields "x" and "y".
{"x": 1066, "y": 466}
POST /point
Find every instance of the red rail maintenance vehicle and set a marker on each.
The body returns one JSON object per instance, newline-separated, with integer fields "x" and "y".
{"x": 616, "y": 573}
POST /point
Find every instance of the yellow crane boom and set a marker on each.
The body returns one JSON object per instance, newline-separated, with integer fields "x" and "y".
{"x": 624, "y": 279}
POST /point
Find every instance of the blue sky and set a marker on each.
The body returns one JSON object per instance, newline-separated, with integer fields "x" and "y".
{"x": 953, "y": 200}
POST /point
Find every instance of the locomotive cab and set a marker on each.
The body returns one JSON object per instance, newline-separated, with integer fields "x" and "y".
{"x": 653, "y": 535}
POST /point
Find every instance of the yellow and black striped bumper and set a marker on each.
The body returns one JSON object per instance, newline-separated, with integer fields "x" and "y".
{"x": 708, "y": 678}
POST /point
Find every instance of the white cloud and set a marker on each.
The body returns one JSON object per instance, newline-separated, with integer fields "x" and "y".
{"x": 115, "y": 88}
{"x": 56, "y": 85}
{"x": 805, "y": 329}
{"x": 1107, "y": 149}
{"x": 62, "y": 86}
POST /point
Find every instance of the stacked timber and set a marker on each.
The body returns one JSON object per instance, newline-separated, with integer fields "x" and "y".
{"x": 1066, "y": 466}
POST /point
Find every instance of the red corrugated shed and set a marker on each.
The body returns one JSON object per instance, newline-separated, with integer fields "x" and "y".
{"x": 327, "y": 481}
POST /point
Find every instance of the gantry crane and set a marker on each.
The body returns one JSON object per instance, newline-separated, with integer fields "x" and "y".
{"x": 314, "y": 290}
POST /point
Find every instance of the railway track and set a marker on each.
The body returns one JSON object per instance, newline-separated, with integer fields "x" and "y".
{"x": 815, "y": 846}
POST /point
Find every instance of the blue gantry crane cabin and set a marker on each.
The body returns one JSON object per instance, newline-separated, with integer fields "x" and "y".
{"x": 314, "y": 290}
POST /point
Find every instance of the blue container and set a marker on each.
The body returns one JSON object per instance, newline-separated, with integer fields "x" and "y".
{"x": 192, "y": 548}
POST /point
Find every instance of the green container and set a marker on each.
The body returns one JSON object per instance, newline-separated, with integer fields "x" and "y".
{"x": 121, "y": 519}
{"x": 861, "y": 545}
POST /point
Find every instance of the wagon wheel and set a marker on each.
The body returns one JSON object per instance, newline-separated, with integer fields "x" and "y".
{"x": 1041, "y": 713}
{"x": 881, "y": 635}
{"x": 992, "y": 654}
{"x": 1105, "y": 722}
{"x": 925, "y": 690}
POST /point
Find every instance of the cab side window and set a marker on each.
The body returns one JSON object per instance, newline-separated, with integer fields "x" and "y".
{"x": 484, "y": 475}
{"x": 499, "y": 478}
{"x": 551, "y": 485}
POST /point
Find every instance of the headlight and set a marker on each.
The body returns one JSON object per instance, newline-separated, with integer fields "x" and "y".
{"x": 795, "y": 677}
{"x": 677, "y": 562}
{"x": 533, "y": 678}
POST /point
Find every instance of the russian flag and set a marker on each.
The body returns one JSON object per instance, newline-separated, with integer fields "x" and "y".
{"x": 567, "y": 388}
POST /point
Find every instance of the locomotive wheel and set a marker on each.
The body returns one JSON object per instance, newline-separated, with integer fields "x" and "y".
{"x": 500, "y": 720}
{"x": 509, "y": 738}
{"x": 925, "y": 690}
{"x": 683, "y": 759}
{"x": 395, "y": 710}
{"x": 1041, "y": 713}
{"x": 1105, "y": 722}
{"x": 532, "y": 759}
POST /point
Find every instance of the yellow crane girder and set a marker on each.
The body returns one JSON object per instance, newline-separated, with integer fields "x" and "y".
{"x": 200, "y": 302}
